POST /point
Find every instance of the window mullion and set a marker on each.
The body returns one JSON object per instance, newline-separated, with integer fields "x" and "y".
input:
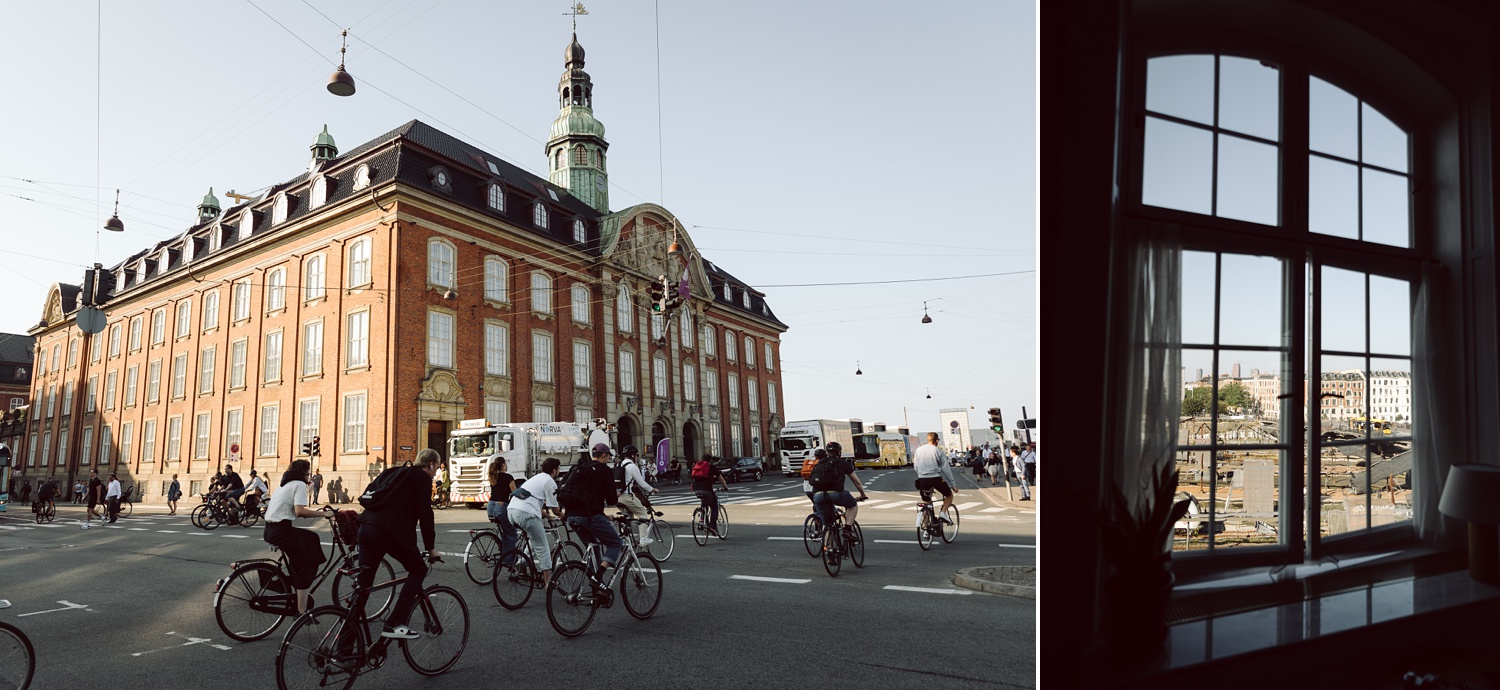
{"x": 1298, "y": 489}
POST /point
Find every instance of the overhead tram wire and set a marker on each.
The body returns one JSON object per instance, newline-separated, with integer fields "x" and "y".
{"x": 863, "y": 241}
{"x": 907, "y": 280}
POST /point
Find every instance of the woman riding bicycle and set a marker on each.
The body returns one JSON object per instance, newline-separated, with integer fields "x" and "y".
{"x": 303, "y": 551}
{"x": 501, "y": 486}
{"x": 704, "y": 473}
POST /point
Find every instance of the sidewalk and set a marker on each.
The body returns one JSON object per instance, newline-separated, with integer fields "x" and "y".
{"x": 1012, "y": 580}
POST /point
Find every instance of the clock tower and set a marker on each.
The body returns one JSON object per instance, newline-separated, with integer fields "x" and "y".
{"x": 576, "y": 145}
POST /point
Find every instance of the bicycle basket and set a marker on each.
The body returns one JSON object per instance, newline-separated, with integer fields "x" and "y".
{"x": 346, "y": 527}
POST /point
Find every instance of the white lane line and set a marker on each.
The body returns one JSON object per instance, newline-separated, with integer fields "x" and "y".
{"x": 235, "y": 536}
{"x": 114, "y": 527}
{"x": 929, "y": 590}
{"x": 1027, "y": 512}
{"x": 139, "y": 529}
{"x": 965, "y": 506}
{"x": 666, "y": 571}
{"x": 785, "y": 538}
{"x": 993, "y": 510}
{"x": 787, "y": 580}
{"x": 1019, "y": 546}
{"x": 895, "y": 541}
{"x": 459, "y": 530}
{"x": 198, "y": 534}
{"x": 166, "y": 531}
{"x": 893, "y": 504}
{"x": 326, "y": 543}
{"x": 49, "y": 526}
{"x": 684, "y": 536}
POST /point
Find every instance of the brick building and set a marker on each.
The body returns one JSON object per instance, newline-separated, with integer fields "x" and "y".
{"x": 15, "y": 393}
{"x": 388, "y": 292}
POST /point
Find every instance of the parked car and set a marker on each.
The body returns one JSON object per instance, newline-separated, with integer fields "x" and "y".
{"x": 735, "y": 469}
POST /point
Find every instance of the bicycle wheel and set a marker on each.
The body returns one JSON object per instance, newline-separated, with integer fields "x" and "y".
{"x": 319, "y": 651}
{"x": 17, "y": 658}
{"x": 199, "y": 517}
{"x": 570, "y": 600}
{"x": 566, "y": 551}
{"x": 512, "y": 578}
{"x": 443, "y": 619}
{"x": 950, "y": 531}
{"x": 640, "y": 585}
{"x": 248, "y": 518}
{"x": 479, "y": 556}
{"x": 856, "y": 545}
{"x": 723, "y": 528}
{"x": 700, "y": 526}
{"x": 833, "y": 556}
{"x": 380, "y": 600}
{"x": 125, "y": 508}
{"x": 812, "y": 536}
{"x": 261, "y": 583}
{"x": 665, "y": 542}
{"x": 924, "y": 530}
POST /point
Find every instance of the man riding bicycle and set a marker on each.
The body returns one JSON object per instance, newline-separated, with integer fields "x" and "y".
{"x": 585, "y": 502}
{"x": 389, "y": 527}
{"x": 634, "y": 490}
{"x": 932, "y": 471}
{"x": 704, "y": 473}
{"x": 46, "y": 496}
{"x": 828, "y": 487}
{"x": 234, "y": 484}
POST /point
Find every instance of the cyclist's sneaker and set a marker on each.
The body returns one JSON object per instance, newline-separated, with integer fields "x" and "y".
{"x": 647, "y": 540}
{"x": 944, "y": 519}
{"x": 400, "y": 632}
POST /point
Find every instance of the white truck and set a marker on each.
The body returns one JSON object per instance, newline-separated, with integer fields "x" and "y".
{"x": 524, "y": 445}
{"x": 799, "y": 440}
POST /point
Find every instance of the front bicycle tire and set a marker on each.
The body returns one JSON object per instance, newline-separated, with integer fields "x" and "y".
{"x": 512, "y": 579}
{"x": 319, "y": 651}
{"x": 950, "y": 531}
{"x": 232, "y": 609}
{"x": 125, "y": 508}
{"x": 199, "y": 516}
{"x": 700, "y": 527}
{"x": 812, "y": 536}
{"x": 722, "y": 530}
{"x": 251, "y": 518}
{"x": 833, "y": 556}
{"x": 570, "y": 600}
{"x": 442, "y": 616}
{"x": 857, "y": 546}
{"x": 379, "y": 602}
{"x": 640, "y": 586}
{"x": 17, "y": 658}
{"x": 566, "y": 551}
{"x": 924, "y": 530}
{"x": 480, "y": 555}
{"x": 665, "y": 542}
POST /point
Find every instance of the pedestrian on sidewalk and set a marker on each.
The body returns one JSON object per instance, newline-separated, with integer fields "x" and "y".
{"x": 316, "y": 485}
{"x": 95, "y": 496}
{"x": 77, "y": 492}
{"x": 113, "y": 498}
{"x": 174, "y": 492}
{"x": 992, "y": 461}
{"x": 1018, "y": 470}
{"x": 1029, "y": 458}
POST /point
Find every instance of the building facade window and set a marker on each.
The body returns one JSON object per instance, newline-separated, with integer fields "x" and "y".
{"x": 91, "y": 398}
{"x": 237, "y": 363}
{"x": 497, "y": 197}
{"x": 312, "y": 279}
{"x": 276, "y": 290}
{"x": 710, "y": 386}
{"x": 709, "y": 340}
{"x": 624, "y": 310}
{"x": 148, "y": 441}
{"x": 580, "y": 232}
{"x": 354, "y": 423}
{"x": 312, "y": 348}
{"x": 752, "y": 392}
{"x": 541, "y": 293}
{"x": 686, "y": 334}
{"x": 658, "y": 326}
{"x": 729, "y": 345}
{"x": 72, "y": 353}
{"x": 539, "y": 215}
{"x": 211, "y": 310}
{"x": 153, "y": 381}
{"x": 200, "y": 435}
{"x": 659, "y": 376}
{"x": 67, "y": 401}
{"x": 439, "y": 339}
{"x": 114, "y": 339}
{"x": 309, "y": 416}
{"x": 179, "y": 376}
{"x": 497, "y": 411}
{"x": 184, "y": 319}
{"x": 494, "y": 279}
{"x": 627, "y": 371}
{"x": 127, "y": 442}
{"x": 206, "y": 363}
{"x": 270, "y": 417}
{"x": 771, "y": 397}
{"x": 440, "y": 264}
{"x": 273, "y": 357}
{"x": 749, "y": 351}
{"x": 583, "y": 364}
{"x": 734, "y": 391}
{"x": 174, "y": 439}
{"x": 541, "y": 356}
{"x": 31, "y": 451}
{"x": 85, "y": 447}
{"x": 359, "y": 263}
{"x": 319, "y": 192}
{"x": 689, "y": 382}
{"x": 357, "y": 350}
{"x": 496, "y": 344}
{"x": 241, "y": 298}
{"x": 46, "y": 448}
{"x": 135, "y": 333}
{"x": 769, "y": 363}
{"x": 581, "y": 303}
{"x": 111, "y": 383}
{"x": 234, "y": 427}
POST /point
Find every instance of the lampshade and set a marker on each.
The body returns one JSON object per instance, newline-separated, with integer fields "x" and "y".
{"x": 1470, "y": 494}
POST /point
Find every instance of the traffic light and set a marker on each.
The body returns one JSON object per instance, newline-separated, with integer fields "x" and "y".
{"x": 315, "y": 452}
{"x": 307, "y": 449}
{"x": 997, "y": 424}
{"x": 659, "y": 295}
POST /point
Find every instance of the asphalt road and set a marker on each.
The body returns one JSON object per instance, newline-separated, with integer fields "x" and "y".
{"x": 130, "y": 605}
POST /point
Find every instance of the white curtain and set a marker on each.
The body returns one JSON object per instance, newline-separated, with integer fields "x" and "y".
{"x": 1152, "y": 373}
{"x": 1438, "y": 409}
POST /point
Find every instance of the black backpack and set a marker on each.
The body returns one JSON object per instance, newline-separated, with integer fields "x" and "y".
{"x": 827, "y": 475}
{"x": 620, "y": 476}
{"x": 572, "y": 496}
{"x": 383, "y": 490}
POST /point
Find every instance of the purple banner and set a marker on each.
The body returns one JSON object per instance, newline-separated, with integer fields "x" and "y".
{"x": 663, "y": 452}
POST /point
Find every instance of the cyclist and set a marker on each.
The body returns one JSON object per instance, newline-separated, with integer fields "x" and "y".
{"x": 233, "y": 484}
{"x": 501, "y": 486}
{"x": 536, "y": 498}
{"x": 303, "y": 551}
{"x": 255, "y": 490}
{"x": 596, "y": 489}
{"x": 390, "y": 528}
{"x": 932, "y": 472}
{"x": 45, "y": 496}
{"x": 827, "y": 496}
{"x": 704, "y": 473}
{"x": 634, "y": 490}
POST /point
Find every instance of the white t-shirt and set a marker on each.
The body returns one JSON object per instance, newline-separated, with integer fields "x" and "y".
{"x": 543, "y": 490}
{"x": 281, "y": 507}
{"x": 114, "y": 489}
{"x": 257, "y": 483}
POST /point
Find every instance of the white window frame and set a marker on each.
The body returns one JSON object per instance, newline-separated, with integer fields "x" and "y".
{"x": 496, "y": 411}
{"x": 496, "y": 349}
{"x": 202, "y": 430}
{"x": 583, "y": 364}
{"x": 96, "y": 348}
{"x": 136, "y": 325}
{"x": 440, "y": 337}
{"x": 148, "y": 442}
{"x": 495, "y": 197}
{"x": 356, "y": 409}
{"x": 271, "y": 357}
{"x": 442, "y": 263}
{"x": 114, "y": 338}
{"x": 752, "y": 391}
{"x": 269, "y": 430}
{"x": 241, "y": 298}
{"x": 581, "y": 300}
{"x": 580, "y": 232}
{"x": 541, "y": 292}
{"x": 153, "y": 381}
{"x": 686, "y": 334}
{"x": 496, "y": 272}
{"x": 275, "y": 290}
{"x": 733, "y": 389}
{"x": 238, "y": 354}
{"x": 659, "y": 376}
{"x": 91, "y": 400}
{"x": 539, "y": 215}
{"x": 749, "y": 351}
{"x": 111, "y": 386}
{"x": 86, "y": 446}
{"x": 207, "y": 363}
{"x": 628, "y": 376}
{"x": 359, "y": 263}
{"x": 174, "y": 438}
{"x": 127, "y": 441}
{"x": 729, "y": 345}
{"x": 541, "y": 357}
{"x": 769, "y": 359}
{"x": 312, "y": 348}
{"x": 279, "y": 209}
{"x": 689, "y": 382}
{"x": 211, "y": 310}
{"x": 184, "y": 318}
{"x": 541, "y": 412}
{"x": 234, "y": 428}
{"x": 158, "y": 326}
{"x": 313, "y": 279}
{"x": 624, "y": 310}
{"x": 72, "y": 353}
{"x": 710, "y": 341}
{"x": 357, "y": 342}
{"x": 309, "y": 421}
{"x": 319, "y": 192}
{"x": 179, "y": 375}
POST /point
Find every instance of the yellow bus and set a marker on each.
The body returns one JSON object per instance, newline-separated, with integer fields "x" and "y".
{"x": 880, "y": 449}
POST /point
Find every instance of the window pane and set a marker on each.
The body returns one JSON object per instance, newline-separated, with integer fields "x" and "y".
{"x": 1386, "y": 219}
{"x": 1250, "y": 301}
{"x": 1343, "y": 303}
{"x": 1181, "y": 85}
{"x": 1178, "y": 167}
{"x": 1247, "y": 180}
{"x": 1391, "y": 331}
{"x": 1197, "y": 297}
{"x": 1332, "y": 119}
{"x": 1333, "y": 198}
{"x": 1382, "y": 143}
{"x": 1248, "y": 97}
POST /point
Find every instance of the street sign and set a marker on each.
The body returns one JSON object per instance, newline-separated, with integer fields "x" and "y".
{"x": 91, "y": 320}
{"x": 953, "y": 423}
{"x": 1025, "y": 423}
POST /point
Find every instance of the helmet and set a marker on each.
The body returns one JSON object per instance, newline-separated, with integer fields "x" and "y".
{"x": 629, "y": 451}
{"x": 820, "y": 453}
{"x": 834, "y": 448}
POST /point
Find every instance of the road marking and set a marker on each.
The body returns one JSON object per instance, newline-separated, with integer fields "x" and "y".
{"x": 48, "y": 526}
{"x": 894, "y": 504}
{"x": 235, "y": 536}
{"x": 965, "y": 506}
{"x": 929, "y": 590}
{"x": 166, "y": 531}
{"x": 66, "y": 606}
{"x": 462, "y": 530}
{"x": 198, "y": 534}
{"x": 895, "y": 541}
{"x": 114, "y": 526}
{"x": 785, "y": 538}
{"x": 787, "y": 580}
{"x": 1019, "y": 546}
{"x": 139, "y": 529}
{"x": 684, "y": 536}
{"x": 779, "y": 501}
{"x": 993, "y": 510}
{"x": 326, "y": 543}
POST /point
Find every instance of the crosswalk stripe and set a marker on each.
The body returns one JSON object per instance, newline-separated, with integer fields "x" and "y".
{"x": 138, "y": 529}
{"x": 198, "y": 534}
{"x": 235, "y": 536}
{"x": 894, "y": 504}
{"x": 928, "y": 590}
{"x": 788, "y": 580}
{"x": 993, "y": 510}
{"x": 965, "y": 506}
{"x": 167, "y": 531}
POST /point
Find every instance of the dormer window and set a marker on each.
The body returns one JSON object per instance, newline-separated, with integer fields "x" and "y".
{"x": 247, "y": 223}
{"x": 215, "y": 236}
{"x": 319, "y": 192}
{"x": 164, "y": 262}
{"x": 728, "y": 292}
{"x": 140, "y": 272}
{"x": 188, "y": 245}
{"x": 362, "y": 177}
{"x": 580, "y": 232}
{"x": 279, "y": 209}
{"x": 539, "y": 215}
{"x": 745, "y": 298}
{"x": 497, "y": 197}
{"x": 440, "y": 179}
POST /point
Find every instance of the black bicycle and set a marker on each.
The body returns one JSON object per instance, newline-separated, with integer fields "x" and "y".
{"x": 700, "y": 528}
{"x": 577, "y": 590}
{"x": 257, "y": 595}
{"x": 329, "y": 646}
{"x": 17, "y": 657}
{"x": 515, "y": 575}
{"x": 842, "y": 540}
{"x": 44, "y": 511}
{"x": 929, "y": 526}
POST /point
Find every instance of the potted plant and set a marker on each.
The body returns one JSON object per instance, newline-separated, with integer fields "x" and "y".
{"x": 1138, "y": 555}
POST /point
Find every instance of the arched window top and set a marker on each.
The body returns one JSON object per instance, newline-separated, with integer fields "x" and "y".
{"x": 624, "y": 310}
{"x": 319, "y": 192}
{"x": 440, "y": 266}
{"x": 580, "y": 155}
{"x": 539, "y": 215}
{"x": 362, "y": 177}
{"x": 495, "y": 276}
{"x": 541, "y": 292}
{"x": 496, "y": 196}
{"x": 280, "y": 209}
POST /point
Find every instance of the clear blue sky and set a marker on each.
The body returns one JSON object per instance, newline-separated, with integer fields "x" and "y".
{"x": 807, "y": 142}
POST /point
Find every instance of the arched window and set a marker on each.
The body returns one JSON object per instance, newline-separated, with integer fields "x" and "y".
{"x": 541, "y": 292}
{"x": 312, "y": 280}
{"x": 728, "y": 345}
{"x": 624, "y": 310}
{"x": 580, "y": 155}
{"x": 497, "y": 197}
{"x": 359, "y": 263}
{"x": 275, "y": 289}
{"x": 581, "y": 306}
{"x": 440, "y": 266}
{"x": 280, "y": 209}
{"x": 709, "y": 339}
{"x": 495, "y": 272}
{"x": 319, "y": 192}
{"x": 362, "y": 177}
{"x": 749, "y": 351}
{"x": 539, "y": 215}
{"x": 580, "y": 232}
{"x": 557, "y": 160}
{"x": 685, "y": 331}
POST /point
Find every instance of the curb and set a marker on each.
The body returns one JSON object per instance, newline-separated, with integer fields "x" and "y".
{"x": 970, "y": 578}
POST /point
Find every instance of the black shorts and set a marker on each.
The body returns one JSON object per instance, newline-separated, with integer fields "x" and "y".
{"x": 927, "y": 484}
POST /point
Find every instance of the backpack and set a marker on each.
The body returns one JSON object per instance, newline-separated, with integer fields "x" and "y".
{"x": 620, "y": 475}
{"x": 826, "y": 476}
{"x": 572, "y": 496}
{"x": 381, "y": 492}
{"x": 702, "y": 470}
{"x": 807, "y": 467}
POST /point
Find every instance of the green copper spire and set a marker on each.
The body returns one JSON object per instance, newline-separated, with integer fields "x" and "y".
{"x": 323, "y": 147}
{"x": 575, "y": 145}
{"x": 209, "y": 208}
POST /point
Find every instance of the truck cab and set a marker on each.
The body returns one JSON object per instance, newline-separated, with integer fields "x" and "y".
{"x": 524, "y": 445}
